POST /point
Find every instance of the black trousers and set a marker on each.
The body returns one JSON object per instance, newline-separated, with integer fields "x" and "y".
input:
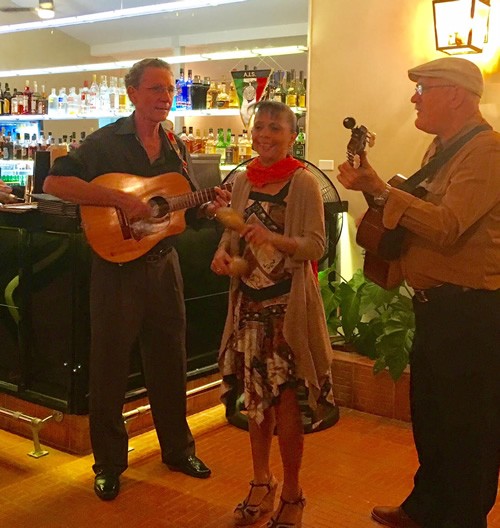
{"x": 455, "y": 405}
{"x": 140, "y": 301}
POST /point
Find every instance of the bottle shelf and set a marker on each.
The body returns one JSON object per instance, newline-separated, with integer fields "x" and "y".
{"x": 67, "y": 117}
{"x": 212, "y": 112}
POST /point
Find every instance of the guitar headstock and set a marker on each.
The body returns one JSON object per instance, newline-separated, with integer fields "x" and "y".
{"x": 360, "y": 137}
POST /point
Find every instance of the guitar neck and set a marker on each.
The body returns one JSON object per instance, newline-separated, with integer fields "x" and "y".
{"x": 188, "y": 200}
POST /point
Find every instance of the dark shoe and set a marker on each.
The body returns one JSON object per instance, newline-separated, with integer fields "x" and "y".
{"x": 107, "y": 486}
{"x": 393, "y": 517}
{"x": 191, "y": 466}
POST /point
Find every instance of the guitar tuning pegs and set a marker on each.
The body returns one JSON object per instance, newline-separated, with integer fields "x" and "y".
{"x": 349, "y": 122}
{"x": 371, "y": 139}
{"x": 356, "y": 161}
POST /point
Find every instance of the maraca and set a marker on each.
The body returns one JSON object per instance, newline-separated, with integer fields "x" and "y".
{"x": 230, "y": 218}
{"x": 238, "y": 267}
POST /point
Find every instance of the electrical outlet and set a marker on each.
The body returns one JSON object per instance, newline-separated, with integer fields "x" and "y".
{"x": 326, "y": 165}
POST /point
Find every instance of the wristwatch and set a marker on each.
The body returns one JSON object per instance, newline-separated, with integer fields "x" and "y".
{"x": 381, "y": 198}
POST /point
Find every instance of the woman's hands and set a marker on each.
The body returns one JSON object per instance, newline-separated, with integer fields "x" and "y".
{"x": 221, "y": 262}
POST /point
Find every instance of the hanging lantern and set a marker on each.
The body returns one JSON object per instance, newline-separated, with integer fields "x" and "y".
{"x": 461, "y": 26}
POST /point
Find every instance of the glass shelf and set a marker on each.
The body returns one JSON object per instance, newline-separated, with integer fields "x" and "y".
{"x": 212, "y": 112}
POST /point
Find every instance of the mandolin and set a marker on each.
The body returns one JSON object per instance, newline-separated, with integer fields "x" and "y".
{"x": 382, "y": 246}
{"x": 116, "y": 238}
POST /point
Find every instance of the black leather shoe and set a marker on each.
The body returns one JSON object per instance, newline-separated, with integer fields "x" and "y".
{"x": 191, "y": 466}
{"x": 393, "y": 517}
{"x": 107, "y": 486}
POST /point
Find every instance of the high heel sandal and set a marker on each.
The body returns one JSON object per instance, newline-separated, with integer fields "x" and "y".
{"x": 246, "y": 513}
{"x": 297, "y": 523}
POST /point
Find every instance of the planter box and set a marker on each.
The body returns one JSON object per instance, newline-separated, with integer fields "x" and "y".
{"x": 357, "y": 387}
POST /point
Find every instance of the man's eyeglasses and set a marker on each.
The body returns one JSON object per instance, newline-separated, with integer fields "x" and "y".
{"x": 160, "y": 89}
{"x": 420, "y": 89}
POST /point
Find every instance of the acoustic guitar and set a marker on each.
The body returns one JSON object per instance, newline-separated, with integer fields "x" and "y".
{"x": 382, "y": 246}
{"x": 116, "y": 238}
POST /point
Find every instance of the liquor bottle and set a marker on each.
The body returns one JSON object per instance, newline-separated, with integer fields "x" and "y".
{"x": 122, "y": 96}
{"x": 18, "y": 147}
{"x": 183, "y": 134}
{"x": 104, "y": 106}
{"x": 113, "y": 95}
{"x": 301, "y": 91}
{"x": 235, "y": 140}
{"x": 35, "y": 98}
{"x": 83, "y": 96}
{"x": 1, "y": 100}
{"x": 73, "y": 143}
{"x": 230, "y": 148}
{"x": 179, "y": 84}
{"x": 196, "y": 143}
{"x": 62, "y": 101}
{"x": 242, "y": 148}
{"x": 212, "y": 94}
{"x": 291, "y": 91}
{"x": 203, "y": 141}
{"x": 27, "y": 100}
{"x": 7, "y": 96}
{"x": 186, "y": 91}
{"x": 93, "y": 96}
{"x": 82, "y": 137}
{"x": 299, "y": 145}
{"x": 42, "y": 142}
{"x": 234, "y": 102}
{"x": 32, "y": 147}
{"x": 220, "y": 145}
{"x": 190, "y": 139}
{"x": 222, "y": 100}
{"x": 210, "y": 143}
{"x": 25, "y": 145}
{"x": 14, "y": 106}
{"x": 52, "y": 102}
{"x": 73, "y": 102}
{"x": 198, "y": 94}
{"x": 43, "y": 103}
{"x": 8, "y": 147}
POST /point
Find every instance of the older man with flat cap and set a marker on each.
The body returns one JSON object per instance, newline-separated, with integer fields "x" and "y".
{"x": 451, "y": 258}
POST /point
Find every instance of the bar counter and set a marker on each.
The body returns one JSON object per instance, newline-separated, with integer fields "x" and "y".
{"x": 44, "y": 309}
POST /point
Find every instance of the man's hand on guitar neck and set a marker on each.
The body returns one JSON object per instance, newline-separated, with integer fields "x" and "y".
{"x": 364, "y": 178}
{"x": 222, "y": 199}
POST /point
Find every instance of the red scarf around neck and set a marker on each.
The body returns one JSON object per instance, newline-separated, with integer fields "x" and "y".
{"x": 258, "y": 175}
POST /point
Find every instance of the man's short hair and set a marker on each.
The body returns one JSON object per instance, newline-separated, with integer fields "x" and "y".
{"x": 134, "y": 75}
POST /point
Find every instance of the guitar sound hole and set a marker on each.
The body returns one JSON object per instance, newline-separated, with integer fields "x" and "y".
{"x": 159, "y": 206}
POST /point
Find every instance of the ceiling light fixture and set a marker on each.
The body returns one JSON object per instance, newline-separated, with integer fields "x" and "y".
{"x": 45, "y": 14}
{"x": 179, "y": 5}
{"x": 178, "y": 59}
{"x": 461, "y": 26}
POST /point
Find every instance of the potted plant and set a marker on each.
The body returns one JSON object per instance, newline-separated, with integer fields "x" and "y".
{"x": 364, "y": 317}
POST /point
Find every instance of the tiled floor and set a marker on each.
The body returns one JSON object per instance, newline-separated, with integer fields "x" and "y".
{"x": 362, "y": 461}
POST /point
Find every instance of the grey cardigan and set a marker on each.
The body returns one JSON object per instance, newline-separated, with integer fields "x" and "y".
{"x": 305, "y": 327}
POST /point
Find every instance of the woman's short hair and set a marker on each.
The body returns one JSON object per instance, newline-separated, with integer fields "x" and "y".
{"x": 134, "y": 75}
{"x": 276, "y": 108}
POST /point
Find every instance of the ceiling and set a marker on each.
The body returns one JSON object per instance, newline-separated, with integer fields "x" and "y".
{"x": 195, "y": 30}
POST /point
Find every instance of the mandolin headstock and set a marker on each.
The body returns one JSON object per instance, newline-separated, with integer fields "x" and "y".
{"x": 360, "y": 138}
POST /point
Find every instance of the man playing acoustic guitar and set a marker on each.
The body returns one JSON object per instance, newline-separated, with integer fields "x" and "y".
{"x": 135, "y": 299}
{"x": 451, "y": 258}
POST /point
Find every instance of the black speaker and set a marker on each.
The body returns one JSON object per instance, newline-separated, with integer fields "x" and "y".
{"x": 40, "y": 170}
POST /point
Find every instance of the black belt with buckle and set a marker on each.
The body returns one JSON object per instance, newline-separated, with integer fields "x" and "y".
{"x": 157, "y": 254}
{"x": 444, "y": 290}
